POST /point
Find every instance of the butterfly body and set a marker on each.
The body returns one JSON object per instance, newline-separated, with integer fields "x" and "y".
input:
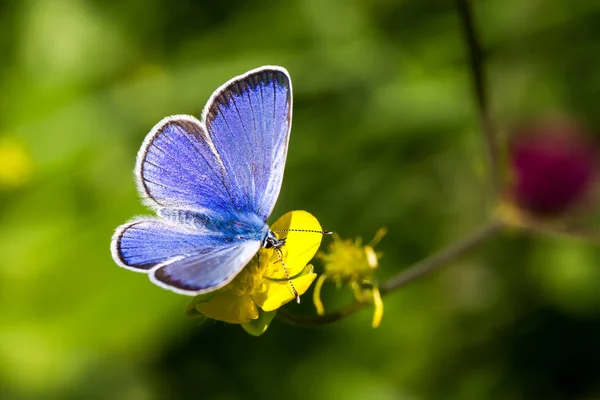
{"x": 235, "y": 225}
{"x": 213, "y": 183}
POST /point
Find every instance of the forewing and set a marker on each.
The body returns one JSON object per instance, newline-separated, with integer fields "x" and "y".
{"x": 249, "y": 120}
{"x": 178, "y": 167}
{"x": 186, "y": 261}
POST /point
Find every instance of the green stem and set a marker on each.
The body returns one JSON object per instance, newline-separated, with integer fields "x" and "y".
{"x": 424, "y": 267}
{"x": 476, "y": 60}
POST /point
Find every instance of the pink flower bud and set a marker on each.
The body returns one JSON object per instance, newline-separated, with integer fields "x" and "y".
{"x": 554, "y": 168}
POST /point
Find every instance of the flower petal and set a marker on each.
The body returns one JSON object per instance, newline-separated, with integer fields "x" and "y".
{"x": 300, "y": 247}
{"x": 280, "y": 293}
{"x": 190, "y": 309}
{"x": 228, "y": 307}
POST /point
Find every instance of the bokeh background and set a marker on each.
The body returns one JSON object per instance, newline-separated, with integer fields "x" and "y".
{"x": 385, "y": 133}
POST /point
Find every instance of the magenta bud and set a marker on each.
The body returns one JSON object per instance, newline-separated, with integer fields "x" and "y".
{"x": 554, "y": 168}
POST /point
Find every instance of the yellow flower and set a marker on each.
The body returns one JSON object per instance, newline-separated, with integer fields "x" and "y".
{"x": 15, "y": 163}
{"x": 262, "y": 287}
{"x": 349, "y": 263}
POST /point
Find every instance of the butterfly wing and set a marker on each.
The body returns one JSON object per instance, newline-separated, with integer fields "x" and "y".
{"x": 248, "y": 120}
{"x": 205, "y": 272}
{"x": 234, "y": 160}
{"x": 177, "y": 167}
{"x": 186, "y": 261}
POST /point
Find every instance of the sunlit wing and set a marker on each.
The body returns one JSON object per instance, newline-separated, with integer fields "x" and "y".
{"x": 183, "y": 260}
{"x": 177, "y": 167}
{"x": 249, "y": 120}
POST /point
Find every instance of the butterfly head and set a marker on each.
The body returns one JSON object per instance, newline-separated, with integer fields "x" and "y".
{"x": 272, "y": 242}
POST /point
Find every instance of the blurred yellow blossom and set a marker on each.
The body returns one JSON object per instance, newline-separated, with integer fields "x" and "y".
{"x": 262, "y": 287}
{"x": 15, "y": 163}
{"x": 349, "y": 263}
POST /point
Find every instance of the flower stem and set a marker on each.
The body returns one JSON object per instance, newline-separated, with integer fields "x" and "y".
{"x": 476, "y": 59}
{"x": 421, "y": 268}
{"x": 443, "y": 257}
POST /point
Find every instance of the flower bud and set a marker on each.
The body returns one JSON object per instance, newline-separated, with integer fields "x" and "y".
{"x": 553, "y": 167}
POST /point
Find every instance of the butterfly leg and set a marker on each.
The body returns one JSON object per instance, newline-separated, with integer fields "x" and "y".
{"x": 285, "y": 271}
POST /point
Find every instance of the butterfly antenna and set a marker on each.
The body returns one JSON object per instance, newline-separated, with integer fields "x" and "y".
{"x": 304, "y": 230}
{"x": 287, "y": 275}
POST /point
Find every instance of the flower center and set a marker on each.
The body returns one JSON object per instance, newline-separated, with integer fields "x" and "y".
{"x": 250, "y": 281}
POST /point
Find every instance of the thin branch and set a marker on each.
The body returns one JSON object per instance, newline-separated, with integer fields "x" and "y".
{"x": 476, "y": 60}
{"x": 312, "y": 321}
{"x": 424, "y": 267}
{"x": 442, "y": 258}
{"x": 566, "y": 232}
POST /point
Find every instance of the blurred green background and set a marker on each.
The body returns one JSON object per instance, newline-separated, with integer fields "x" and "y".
{"x": 385, "y": 133}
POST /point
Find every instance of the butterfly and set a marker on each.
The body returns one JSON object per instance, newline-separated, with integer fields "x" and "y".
{"x": 213, "y": 183}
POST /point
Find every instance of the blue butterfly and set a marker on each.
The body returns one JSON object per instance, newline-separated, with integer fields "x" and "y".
{"x": 213, "y": 183}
